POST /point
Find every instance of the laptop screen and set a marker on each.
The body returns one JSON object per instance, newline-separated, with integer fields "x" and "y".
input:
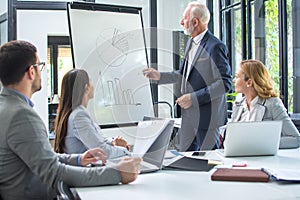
{"x": 252, "y": 138}
{"x": 152, "y": 140}
{"x": 156, "y": 152}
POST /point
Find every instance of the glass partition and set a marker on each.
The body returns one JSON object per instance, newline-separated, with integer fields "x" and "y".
{"x": 3, "y": 6}
{"x": 3, "y": 32}
{"x": 3, "y": 22}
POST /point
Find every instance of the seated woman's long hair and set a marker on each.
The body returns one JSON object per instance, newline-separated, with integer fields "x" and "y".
{"x": 72, "y": 90}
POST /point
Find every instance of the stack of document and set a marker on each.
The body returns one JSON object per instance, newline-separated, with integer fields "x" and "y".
{"x": 284, "y": 174}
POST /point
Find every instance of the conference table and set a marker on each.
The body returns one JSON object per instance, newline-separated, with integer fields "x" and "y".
{"x": 180, "y": 185}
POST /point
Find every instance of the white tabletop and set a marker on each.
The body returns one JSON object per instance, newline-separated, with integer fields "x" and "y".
{"x": 175, "y": 185}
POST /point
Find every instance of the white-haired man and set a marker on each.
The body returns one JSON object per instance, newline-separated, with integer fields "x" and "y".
{"x": 205, "y": 77}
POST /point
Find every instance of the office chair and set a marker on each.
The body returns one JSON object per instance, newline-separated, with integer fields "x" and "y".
{"x": 295, "y": 117}
{"x": 65, "y": 193}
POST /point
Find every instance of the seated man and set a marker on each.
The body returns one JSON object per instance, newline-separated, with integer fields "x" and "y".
{"x": 29, "y": 168}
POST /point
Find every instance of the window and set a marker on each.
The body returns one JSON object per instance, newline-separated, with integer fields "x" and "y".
{"x": 268, "y": 11}
{"x": 260, "y": 34}
{"x": 232, "y": 18}
{"x": 293, "y": 55}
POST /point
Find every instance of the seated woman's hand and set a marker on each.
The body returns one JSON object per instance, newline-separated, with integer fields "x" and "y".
{"x": 119, "y": 141}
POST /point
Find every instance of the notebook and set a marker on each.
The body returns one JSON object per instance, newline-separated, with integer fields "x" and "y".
{"x": 259, "y": 138}
{"x": 152, "y": 141}
{"x": 233, "y": 174}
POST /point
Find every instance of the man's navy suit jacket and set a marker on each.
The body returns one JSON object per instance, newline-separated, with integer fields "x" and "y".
{"x": 208, "y": 82}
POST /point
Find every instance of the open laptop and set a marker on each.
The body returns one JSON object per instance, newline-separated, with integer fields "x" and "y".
{"x": 155, "y": 147}
{"x": 259, "y": 138}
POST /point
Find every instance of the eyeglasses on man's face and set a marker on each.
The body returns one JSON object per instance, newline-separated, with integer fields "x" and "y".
{"x": 41, "y": 65}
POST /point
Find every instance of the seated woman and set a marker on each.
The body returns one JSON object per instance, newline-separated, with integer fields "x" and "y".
{"x": 75, "y": 130}
{"x": 260, "y": 101}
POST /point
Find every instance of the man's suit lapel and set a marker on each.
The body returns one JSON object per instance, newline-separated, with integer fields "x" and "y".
{"x": 200, "y": 49}
{"x": 184, "y": 63}
{"x": 188, "y": 45}
{"x": 184, "y": 67}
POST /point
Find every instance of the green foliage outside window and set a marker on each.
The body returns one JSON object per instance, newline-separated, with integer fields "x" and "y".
{"x": 272, "y": 46}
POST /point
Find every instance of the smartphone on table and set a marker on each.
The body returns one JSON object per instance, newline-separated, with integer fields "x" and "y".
{"x": 199, "y": 153}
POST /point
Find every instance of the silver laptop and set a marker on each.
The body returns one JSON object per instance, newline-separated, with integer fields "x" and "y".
{"x": 151, "y": 144}
{"x": 252, "y": 138}
{"x": 154, "y": 156}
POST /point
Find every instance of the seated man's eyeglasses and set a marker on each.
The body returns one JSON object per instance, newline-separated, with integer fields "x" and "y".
{"x": 40, "y": 64}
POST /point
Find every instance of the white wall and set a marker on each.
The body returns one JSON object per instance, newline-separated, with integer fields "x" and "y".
{"x": 216, "y": 18}
{"x": 169, "y": 14}
{"x": 35, "y": 26}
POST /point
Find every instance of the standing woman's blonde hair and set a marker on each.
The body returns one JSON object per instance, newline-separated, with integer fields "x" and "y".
{"x": 258, "y": 73}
